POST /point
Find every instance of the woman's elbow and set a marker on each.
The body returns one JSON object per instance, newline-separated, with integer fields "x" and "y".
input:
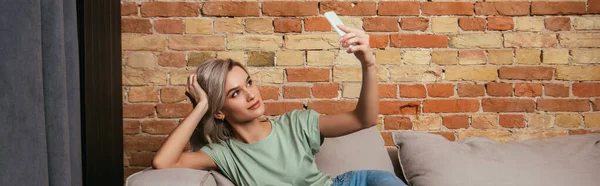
{"x": 157, "y": 164}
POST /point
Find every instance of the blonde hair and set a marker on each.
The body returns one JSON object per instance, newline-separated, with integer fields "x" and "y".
{"x": 212, "y": 74}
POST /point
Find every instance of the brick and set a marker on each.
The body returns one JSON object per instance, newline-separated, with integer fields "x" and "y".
{"x": 285, "y": 25}
{"x": 558, "y": 23}
{"x": 444, "y": 57}
{"x": 556, "y": 89}
{"x": 526, "y": 73}
{"x": 143, "y": 158}
{"x": 528, "y": 89}
{"x": 158, "y": 126}
{"x": 350, "y": 8}
{"x": 471, "y": 57}
{"x": 179, "y": 76}
{"x": 414, "y": 23}
{"x": 472, "y": 23}
{"x": 261, "y": 59}
{"x": 484, "y": 121}
{"x": 427, "y": 123}
{"x": 320, "y": 58}
{"x": 290, "y": 92}
{"x": 332, "y": 107}
{"x": 585, "y": 55}
{"x": 138, "y": 110}
{"x": 568, "y": 120}
{"x": 388, "y": 57}
{"x": 500, "y": 57}
{"x": 254, "y": 42}
{"x": 290, "y": 58}
{"x": 346, "y": 59}
{"x": 470, "y": 90}
{"x": 529, "y": 40}
{"x": 413, "y": 91}
{"x": 145, "y": 143}
{"x": 555, "y": 56}
{"x": 379, "y": 40}
{"x": 512, "y": 121}
{"x": 198, "y": 26}
{"x": 502, "y": 8}
{"x": 143, "y": 94}
{"x": 131, "y": 126}
{"x": 139, "y": 59}
{"x": 387, "y": 90}
{"x": 418, "y": 41}
{"x": 229, "y": 25}
{"x": 144, "y": 77}
{"x": 173, "y": 110}
{"x": 440, "y": 90}
{"x": 380, "y": 24}
{"x": 499, "y": 89}
{"x": 528, "y": 56}
{"x": 556, "y": 8}
{"x": 582, "y": 132}
{"x": 172, "y": 94}
{"x": 168, "y": 26}
{"x": 596, "y": 104}
{"x": 352, "y": 21}
{"x": 529, "y": 24}
{"x": 450, "y": 136}
{"x": 500, "y": 23}
{"x": 197, "y": 42}
{"x": 480, "y": 73}
{"x": 507, "y": 105}
{"x": 351, "y": 90}
{"x": 593, "y": 6}
{"x": 586, "y": 89}
{"x": 259, "y": 25}
{"x": 197, "y": 58}
{"x": 592, "y": 120}
{"x": 501, "y": 136}
{"x": 579, "y": 40}
{"x": 399, "y": 107}
{"x": 283, "y": 9}
{"x": 266, "y": 75}
{"x": 578, "y": 73}
{"x": 136, "y": 25}
{"x": 325, "y": 91}
{"x": 236, "y": 9}
{"x": 456, "y": 121}
{"x": 415, "y": 73}
{"x": 170, "y": 9}
{"x": 129, "y": 9}
{"x": 269, "y": 92}
{"x": 447, "y": 8}
{"x": 278, "y": 108}
{"x": 238, "y": 56}
{"x": 416, "y": 57}
{"x": 540, "y": 121}
{"x": 489, "y": 40}
{"x": 142, "y": 42}
{"x": 397, "y": 123}
{"x": 354, "y": 74}
{"x": 398, "y": 8}
{"x": 566, "y": 105}
{"x": 319, "y": 24}
{"x": 311, "y": 42}
{"x": 307, "y": 74}
{"x": 444, "y": 25}
{"x": 454, "y": 105}
{"x": 387, "y": 139}
{"x": 530, "y": 134}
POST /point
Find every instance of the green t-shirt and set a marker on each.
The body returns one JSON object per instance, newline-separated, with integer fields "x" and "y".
{"x": 285, "y": 157}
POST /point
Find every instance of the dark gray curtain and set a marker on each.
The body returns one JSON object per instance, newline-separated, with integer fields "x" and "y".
{"x": 40, "y": 138}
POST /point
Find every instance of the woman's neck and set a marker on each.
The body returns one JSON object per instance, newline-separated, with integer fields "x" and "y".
{"x": 252, "y": 131}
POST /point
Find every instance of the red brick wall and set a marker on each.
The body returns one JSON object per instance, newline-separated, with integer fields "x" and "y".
{"x": 507, "y": 70}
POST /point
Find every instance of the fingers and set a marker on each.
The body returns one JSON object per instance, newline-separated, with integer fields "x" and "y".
{"x": 189, "y": 83}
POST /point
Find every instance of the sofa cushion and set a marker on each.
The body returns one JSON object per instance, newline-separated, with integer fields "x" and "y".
{"x": 177, "y": 176}
{"x": 429, "y": 159}
{"x": 357, "y": 151}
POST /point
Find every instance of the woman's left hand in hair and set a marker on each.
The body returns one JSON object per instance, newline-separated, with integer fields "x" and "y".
{"x": 357, "y": 42}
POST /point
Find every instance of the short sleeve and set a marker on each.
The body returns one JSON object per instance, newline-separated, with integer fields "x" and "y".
{"x": 308, "y": 120}
{"x": 215, "y": 152}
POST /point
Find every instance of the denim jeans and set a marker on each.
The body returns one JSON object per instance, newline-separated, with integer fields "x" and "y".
{"x": 367, "y": 178}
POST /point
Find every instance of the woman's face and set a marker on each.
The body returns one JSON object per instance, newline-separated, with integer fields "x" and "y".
{"x": 242, "y": 98}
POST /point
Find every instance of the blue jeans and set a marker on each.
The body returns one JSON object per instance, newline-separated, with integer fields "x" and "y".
{"x": 368, "y": 178}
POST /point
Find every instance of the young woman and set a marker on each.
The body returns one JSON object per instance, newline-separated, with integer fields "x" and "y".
{"x": 273, "y": 152}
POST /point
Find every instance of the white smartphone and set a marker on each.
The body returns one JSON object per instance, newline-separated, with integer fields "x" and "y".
{"x": 334, "y": 20}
